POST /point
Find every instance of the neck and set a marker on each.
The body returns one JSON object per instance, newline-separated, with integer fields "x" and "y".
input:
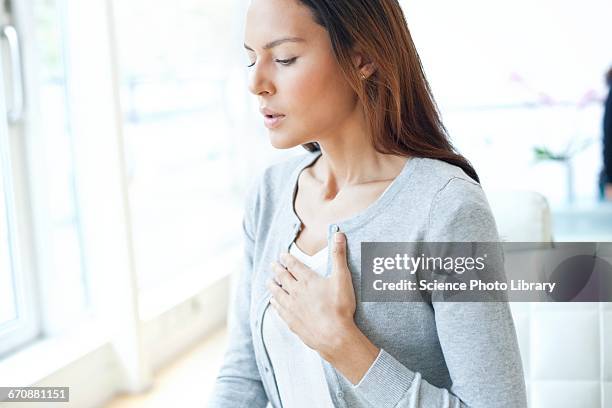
{"x": 348, "y": 158}
{"x": 339, "y": 169}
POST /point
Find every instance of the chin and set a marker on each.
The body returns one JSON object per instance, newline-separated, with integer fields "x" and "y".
{"x": 280, "y": 141}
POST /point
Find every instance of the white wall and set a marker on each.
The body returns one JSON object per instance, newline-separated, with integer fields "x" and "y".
{"x": 510, "y": 75}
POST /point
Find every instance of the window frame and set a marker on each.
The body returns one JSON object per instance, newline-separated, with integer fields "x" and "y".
{"x": 26, "y": 326}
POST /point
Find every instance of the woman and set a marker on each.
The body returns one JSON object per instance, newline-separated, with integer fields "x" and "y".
{"x": 605, "y": 177}
{"x": 343, "y": 79}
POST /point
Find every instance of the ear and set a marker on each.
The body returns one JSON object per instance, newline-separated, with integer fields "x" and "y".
{"x": 363, "y": 63}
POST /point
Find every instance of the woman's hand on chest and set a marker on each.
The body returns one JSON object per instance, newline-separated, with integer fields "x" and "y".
{"x": 317, "y": 309}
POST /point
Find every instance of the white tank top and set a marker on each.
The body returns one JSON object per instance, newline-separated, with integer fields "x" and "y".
{"x": 297, "y": 368}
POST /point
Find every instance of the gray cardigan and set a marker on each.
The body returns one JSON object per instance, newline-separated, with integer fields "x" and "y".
{"x": 440, "y": 354}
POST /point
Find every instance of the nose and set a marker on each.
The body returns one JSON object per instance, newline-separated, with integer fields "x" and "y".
{"x": 259, "y": 82}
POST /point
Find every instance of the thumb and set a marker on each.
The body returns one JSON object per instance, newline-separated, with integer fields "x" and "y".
{"x": 340, "y": 263}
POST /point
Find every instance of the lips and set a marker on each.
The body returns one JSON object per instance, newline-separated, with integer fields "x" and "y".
{"x": 273, "y": 121}
{"x": 272, "y": 118}
{"x": 269, "y": 113}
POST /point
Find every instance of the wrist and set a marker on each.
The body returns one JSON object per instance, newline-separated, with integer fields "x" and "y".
{"x": 352, "y": 354}
{"x": 344, "y": 335}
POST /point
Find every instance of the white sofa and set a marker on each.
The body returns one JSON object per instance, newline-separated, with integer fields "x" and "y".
{"x": 521, "y": 216}
{"x": 566, "y": 347}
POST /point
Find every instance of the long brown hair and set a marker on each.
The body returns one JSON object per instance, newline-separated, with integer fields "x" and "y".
{"x": 402, "y": 114}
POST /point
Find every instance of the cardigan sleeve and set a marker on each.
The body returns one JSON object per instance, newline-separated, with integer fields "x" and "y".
{"x": 478, "y": 339}
{"x": 238, "y": 383}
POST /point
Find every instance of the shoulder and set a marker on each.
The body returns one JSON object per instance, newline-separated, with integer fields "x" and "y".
{"x": 434, "y": 179}
{"x": 438, "y": 172}
{"x": 459, "y": 209}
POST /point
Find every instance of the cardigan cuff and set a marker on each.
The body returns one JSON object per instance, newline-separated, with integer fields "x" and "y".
{"x": 386, "y": 381}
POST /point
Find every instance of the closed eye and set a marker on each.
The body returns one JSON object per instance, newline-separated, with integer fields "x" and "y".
{"x": 288, "y": 61}
{"x": 282, "y": 62}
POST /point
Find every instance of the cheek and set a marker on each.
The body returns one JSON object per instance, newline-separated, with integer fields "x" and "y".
{"x": 306, "y": 87}
{"x": 320, "y": 96}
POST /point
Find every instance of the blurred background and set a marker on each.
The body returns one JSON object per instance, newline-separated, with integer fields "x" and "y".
{"x": 128, "y": 135}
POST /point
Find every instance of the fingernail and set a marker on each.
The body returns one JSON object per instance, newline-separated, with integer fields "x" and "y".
{"x": 339, "y": 237}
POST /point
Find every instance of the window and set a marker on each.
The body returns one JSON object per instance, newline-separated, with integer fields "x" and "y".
{"x": 177, "y": 64}
{"x": 43, "y": 286}
{"x": 63, "y": 269}
{"x": 18, "y": 322}
{"x": 8, "y": 311}
{"x": 504, "y": 91}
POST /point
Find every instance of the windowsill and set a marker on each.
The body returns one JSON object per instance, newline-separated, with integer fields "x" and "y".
{"x": 45, "y": 357}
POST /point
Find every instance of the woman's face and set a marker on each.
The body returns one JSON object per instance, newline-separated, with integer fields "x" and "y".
{"x": 300, "y": 79}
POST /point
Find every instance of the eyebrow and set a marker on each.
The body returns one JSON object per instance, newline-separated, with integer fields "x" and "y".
{"x": 277, "y": 42}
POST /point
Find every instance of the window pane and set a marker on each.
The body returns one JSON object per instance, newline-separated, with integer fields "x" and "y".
{"x": 7, "y": 296}
{"x": 505, "y": 99}
{"x": 179, "y": 132}
{"x": 64, "y": 262}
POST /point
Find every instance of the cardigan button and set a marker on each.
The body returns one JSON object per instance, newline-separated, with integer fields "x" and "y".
{"x": 339, "y": 394}
{"x": 266, "y": 368}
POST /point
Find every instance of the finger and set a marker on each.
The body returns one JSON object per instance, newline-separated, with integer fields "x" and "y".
{"x": 295, "y": 267}
{"x": 340, "y": 266}
{"x": 276, "y": 290}
{"x": 283, "y": 277}
{"x": 283, "y": 313}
